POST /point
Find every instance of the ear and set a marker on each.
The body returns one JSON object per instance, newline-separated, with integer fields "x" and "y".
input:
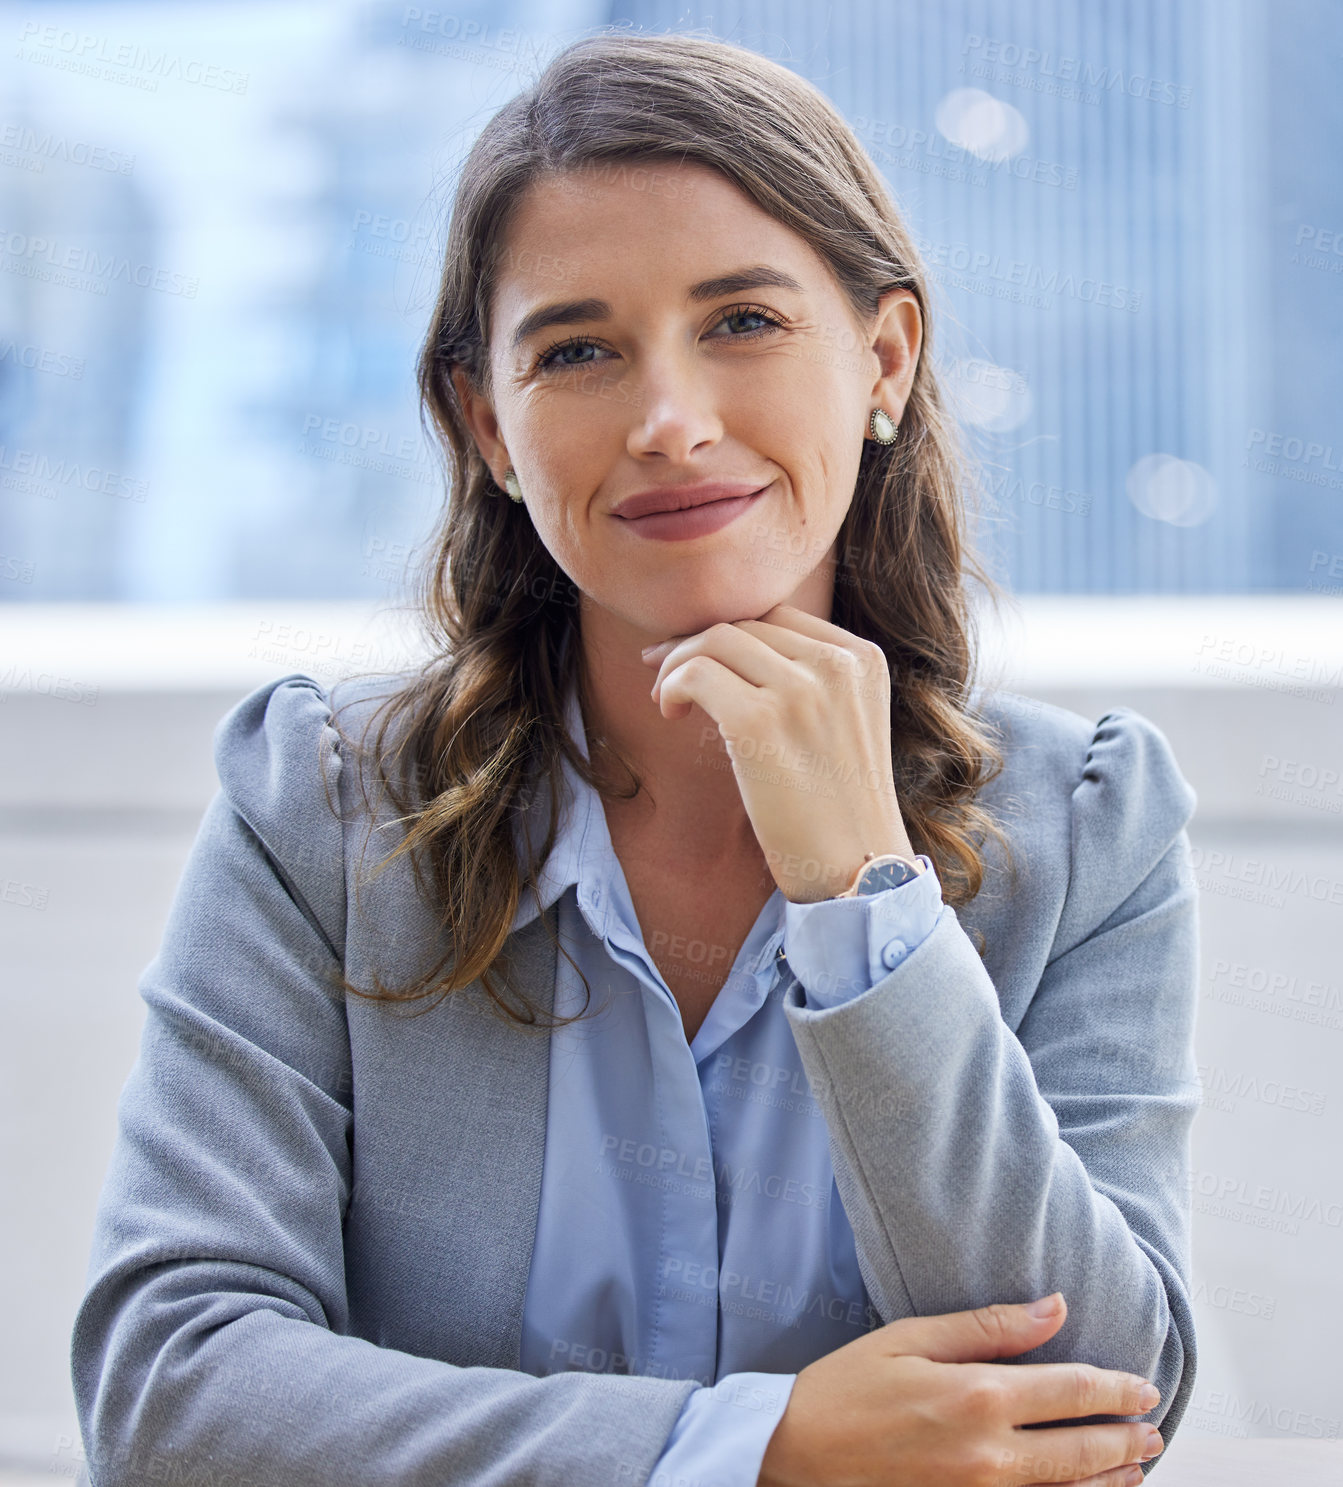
{"x": 897, "y": 337}
{"x": 484, "y": 427}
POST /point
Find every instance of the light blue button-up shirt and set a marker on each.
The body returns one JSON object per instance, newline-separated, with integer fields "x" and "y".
{"x": 689, "y": 1222}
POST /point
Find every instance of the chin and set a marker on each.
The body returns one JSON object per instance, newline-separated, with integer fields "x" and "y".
{"x": 693, "y": 613}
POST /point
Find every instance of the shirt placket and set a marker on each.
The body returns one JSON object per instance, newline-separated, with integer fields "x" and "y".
{"x": 675, "y": 1162}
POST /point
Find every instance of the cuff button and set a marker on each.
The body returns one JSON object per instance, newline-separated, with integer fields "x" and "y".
{"x": 893, "y": 954}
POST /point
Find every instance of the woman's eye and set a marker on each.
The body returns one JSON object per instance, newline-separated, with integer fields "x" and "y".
{"x": 547, "y": 358}
{"x": 748, "y": 315}
{"x": 551, "y": 356}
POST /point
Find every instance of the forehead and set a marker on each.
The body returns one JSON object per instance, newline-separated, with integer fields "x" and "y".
{"x": 626, "y": 230}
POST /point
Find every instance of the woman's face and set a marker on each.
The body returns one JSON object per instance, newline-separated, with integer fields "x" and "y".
{"x": 677, "y": 381}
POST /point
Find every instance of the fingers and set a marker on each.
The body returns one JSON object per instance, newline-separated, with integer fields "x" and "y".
{"x": 1078, "y": 1453}
{"x": 1119, "y": 1476}
{"x": 707, "y": 682}
{"x": 751, "y": 658}
{"x": 805, "y": 623}
{"x": 824, "y": 647}
{"x": 1067, "y": 1391}
{"x": 1000, "y": 1330}
{"x": 792, "y": 635}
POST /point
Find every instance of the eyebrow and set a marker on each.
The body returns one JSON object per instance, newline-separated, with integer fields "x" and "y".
{"x": 576, "y": 311}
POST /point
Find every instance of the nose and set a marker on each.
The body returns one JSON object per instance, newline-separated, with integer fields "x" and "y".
{"x": 679, "y": 418}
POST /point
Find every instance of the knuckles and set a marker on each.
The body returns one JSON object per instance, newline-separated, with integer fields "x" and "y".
{"x": 984, "y": 1395}
{"x": 1087, "y": 1385}
{"x": 994, "y": 1322}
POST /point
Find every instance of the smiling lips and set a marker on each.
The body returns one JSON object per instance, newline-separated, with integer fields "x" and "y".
{"x": 682, "y": 497}
{"x": 676, "y": 513}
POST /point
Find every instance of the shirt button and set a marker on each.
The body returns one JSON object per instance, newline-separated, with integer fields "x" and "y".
{"x": 891, "y": 955}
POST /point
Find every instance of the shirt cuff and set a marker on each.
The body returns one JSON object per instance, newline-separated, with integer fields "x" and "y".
{"x": 722, "y": 1432}
{"x": 839, "y": 948}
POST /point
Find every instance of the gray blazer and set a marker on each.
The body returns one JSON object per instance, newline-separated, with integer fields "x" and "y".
{"x": 312, "y": 1245}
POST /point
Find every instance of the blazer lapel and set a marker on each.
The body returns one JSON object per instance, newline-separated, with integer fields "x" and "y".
{"x": 449, "y": 1147}
{"x": 510, "y": 1079}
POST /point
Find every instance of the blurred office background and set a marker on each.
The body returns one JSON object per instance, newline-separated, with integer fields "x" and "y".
{"x": 214, "y": 290}
{"x": 220, "y": 230}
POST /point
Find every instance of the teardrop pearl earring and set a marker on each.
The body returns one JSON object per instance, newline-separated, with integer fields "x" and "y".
{"x": 882, "y": 426}
{"x": 511, "y": 484}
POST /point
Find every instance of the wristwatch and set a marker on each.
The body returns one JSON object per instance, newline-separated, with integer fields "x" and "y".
{"x": 879, "y": 873}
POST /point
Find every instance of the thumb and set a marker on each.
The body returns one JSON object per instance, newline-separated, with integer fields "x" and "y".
{"x": 998, "y": 1331}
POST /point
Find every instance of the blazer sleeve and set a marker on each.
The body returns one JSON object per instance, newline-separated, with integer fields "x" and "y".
{"x": 212, "y": 1339}
{"x": 980, "y": 1165}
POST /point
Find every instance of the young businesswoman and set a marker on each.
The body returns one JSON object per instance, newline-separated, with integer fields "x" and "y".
{"x": 679, "y": 1040}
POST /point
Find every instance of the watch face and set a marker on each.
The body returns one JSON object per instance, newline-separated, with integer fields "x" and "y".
{"x": 878, "y": 876}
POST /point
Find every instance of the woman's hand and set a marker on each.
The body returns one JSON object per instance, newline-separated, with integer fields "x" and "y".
{"x": 909, "y": 1403}
{"x": 804, "y": 709}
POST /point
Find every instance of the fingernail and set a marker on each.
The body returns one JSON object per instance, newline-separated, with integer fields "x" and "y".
{"x": 1133, "y": 1476}
{"x": 1152, "y": 1444}
{"x": 1046, "y": 1306}
{"x": 1149, "y": 1396}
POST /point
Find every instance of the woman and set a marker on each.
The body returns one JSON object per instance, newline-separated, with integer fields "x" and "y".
{"x": 788, "y": 1013}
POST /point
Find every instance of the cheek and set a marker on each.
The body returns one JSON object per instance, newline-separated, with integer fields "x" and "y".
{"x": 559, "y": 536}
{"x": 837, "y": 463}
{"x": 824, "y": 472}
{"x": 584, "y": 548}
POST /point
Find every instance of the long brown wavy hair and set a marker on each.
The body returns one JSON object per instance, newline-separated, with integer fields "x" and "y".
{"x": 484, "y": 718}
